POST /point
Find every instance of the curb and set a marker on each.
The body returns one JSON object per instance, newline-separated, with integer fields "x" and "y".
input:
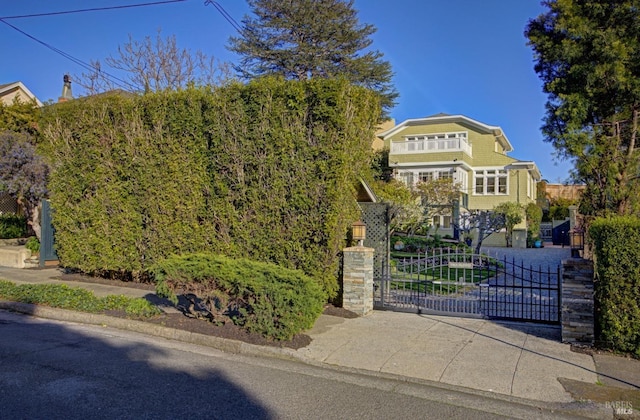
{"x": 579, "y": 408}
{"x": 219, "y": 343}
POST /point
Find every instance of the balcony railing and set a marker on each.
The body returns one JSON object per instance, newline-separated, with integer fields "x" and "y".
{"x": 430, "y": 146}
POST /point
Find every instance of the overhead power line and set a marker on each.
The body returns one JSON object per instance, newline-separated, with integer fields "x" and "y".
{"x": 117, "y": 81}
{"x": 94, "y": 9}
{"x": 225, "y": 15}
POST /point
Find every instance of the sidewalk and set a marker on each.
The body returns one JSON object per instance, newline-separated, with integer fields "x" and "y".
{"x": 506, "y": 359}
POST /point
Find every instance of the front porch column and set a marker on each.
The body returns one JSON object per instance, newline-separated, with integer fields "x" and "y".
{"x": 357, "y": 279}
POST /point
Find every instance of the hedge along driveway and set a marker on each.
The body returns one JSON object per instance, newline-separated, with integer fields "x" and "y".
{"x": 617, "y": 285}
{"x": 265, "y": 170}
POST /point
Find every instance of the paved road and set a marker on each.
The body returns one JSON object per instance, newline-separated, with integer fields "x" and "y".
{"x": 51, "y": 369}
{"x": 549, "y": 256}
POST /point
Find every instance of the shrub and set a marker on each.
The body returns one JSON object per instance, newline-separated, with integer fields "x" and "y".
{"x": 418, "y": 244}
{"x": 6, "y": 289}
{"x": 617, "y": 282}
{"x": 534, "y": 219}
{"x": 261, "y": 297}
{"x": 65, "y": 297}
{"x": 23, "y": 174}
{"x": 33, "y": 245}
{"x": 12, "y": 226}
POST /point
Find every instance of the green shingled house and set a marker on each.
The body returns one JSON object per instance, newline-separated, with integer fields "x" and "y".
{"x": 472, "y": 153}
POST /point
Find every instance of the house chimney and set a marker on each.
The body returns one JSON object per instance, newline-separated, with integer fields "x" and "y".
{"x": 66, "y": 90}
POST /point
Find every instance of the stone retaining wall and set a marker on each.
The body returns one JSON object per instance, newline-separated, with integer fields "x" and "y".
{"x": 577, "y": 301}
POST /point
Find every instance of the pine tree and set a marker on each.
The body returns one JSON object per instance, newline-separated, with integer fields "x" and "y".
{"x": 302, "y": 39}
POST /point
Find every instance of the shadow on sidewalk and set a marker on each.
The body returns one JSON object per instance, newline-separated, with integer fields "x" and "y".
{"x": 598, "y": 392}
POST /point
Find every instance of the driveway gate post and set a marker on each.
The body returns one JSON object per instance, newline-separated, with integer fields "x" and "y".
{"x": 357, "y": 277}
{"x": 577, "y": 302}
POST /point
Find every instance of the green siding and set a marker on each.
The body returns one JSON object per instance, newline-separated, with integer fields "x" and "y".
{"x": 430, "y": 157}
{"x": 484, "y": 146}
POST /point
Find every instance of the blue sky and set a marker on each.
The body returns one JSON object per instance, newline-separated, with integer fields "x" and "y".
{"x": 457, "y": 56}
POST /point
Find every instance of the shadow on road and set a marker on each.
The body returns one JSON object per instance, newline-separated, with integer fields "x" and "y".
{"x": 51, "y": 370}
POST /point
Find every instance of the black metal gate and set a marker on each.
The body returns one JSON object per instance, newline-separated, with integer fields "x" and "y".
{"x": 47, "y": 244}
{"x": 560, "y": 234}
{"x": 455, "y": 281}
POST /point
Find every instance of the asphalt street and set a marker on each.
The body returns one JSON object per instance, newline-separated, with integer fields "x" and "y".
{"x": 53, "y": 369}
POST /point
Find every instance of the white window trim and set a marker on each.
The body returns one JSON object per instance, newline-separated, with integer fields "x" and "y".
{"x": 438, "y": 136}
{"x": 500, "y": 173}
{"x": 401, "y": 175}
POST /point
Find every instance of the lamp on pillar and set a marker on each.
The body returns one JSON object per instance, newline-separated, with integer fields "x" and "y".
{"x": 359, "y": 232}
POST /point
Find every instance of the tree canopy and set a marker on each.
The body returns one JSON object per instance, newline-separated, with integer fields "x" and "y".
{"x": 406, "y": 213}
{"x": 23, "y": 174}
{"x": 302, "y": 39}
{"x": 19, "y": 117}
{"x": 438, "y": 197}
{"x": 484, "y": 222}
{"x": 512, "y": 214}
{"x": 588, "y": 56}
{"x": 152, "y": 65}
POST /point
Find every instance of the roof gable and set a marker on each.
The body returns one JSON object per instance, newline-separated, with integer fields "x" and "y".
{"x": 24, "y": 94}
{"x": 446, "y": 118}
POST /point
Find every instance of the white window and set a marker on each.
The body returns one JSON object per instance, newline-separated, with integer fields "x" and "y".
{"x": 479, "y": 184}
{"x": 425, "y": 176}
{"x": 445, "y": 174}
{"x": 406, "y": 178}
{"x": 442, "y": 221}
{"x": 531, "y": 187}
{"x": 491, "y": 182}
{"x": 439, "y": 141}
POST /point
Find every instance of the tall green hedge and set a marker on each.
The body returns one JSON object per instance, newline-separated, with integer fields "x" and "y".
{"x": 265, "y": 171}
{"x": 617, "y": 287}
{"x": 127, "y": 187}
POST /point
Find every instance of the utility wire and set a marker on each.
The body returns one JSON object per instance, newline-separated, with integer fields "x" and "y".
{"x": 95, "y": 9}
{"x": 225, "y": 15}
{"x": 123, "y": 83}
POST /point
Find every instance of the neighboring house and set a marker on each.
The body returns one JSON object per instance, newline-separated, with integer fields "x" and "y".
{"x": 378, "y": 143}
{"x": 11, "y": 92}
{"x": 472, "y": 154}
{"x": 568, "y": 192}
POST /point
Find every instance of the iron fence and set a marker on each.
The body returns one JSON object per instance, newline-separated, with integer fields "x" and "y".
{"x": 456, "y": 281}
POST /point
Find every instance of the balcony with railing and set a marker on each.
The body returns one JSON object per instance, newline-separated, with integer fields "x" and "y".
{"x": 430, "y": 146}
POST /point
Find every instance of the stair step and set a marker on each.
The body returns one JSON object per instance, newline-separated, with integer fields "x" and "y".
{"x": 16, "y": 257}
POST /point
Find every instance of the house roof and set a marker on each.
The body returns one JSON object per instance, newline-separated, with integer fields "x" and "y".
{"x": 365, "y": 193}
{"x": 528, "y": 165}
{"x": 446, "y": 118}
{"x": 9, "y": 87}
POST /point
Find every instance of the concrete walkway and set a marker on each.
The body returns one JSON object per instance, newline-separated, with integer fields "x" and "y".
{"x": 506, "y": 358}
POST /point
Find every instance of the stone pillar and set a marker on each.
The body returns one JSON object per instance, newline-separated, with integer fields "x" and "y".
{"x": 357, "y": 279}
{"x": 577, "y": 316}
{"x": 573, "y": 217}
